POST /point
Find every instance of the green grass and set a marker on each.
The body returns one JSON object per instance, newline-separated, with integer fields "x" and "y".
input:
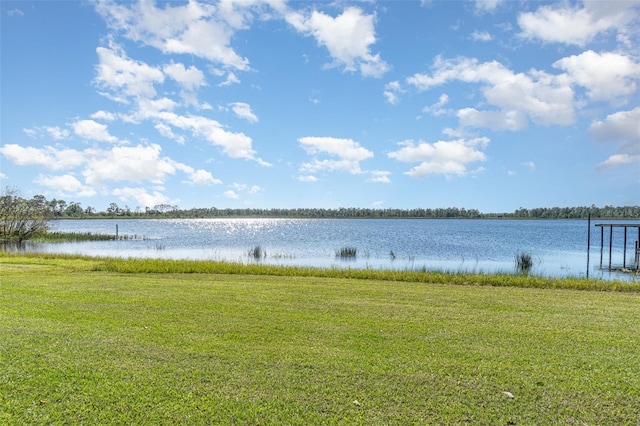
{"x": 86, "y": 341}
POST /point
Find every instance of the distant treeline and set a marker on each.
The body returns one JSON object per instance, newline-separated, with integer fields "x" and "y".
{"x": 60, "y": 209}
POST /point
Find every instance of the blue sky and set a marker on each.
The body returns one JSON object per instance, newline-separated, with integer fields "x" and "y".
{"x": 491, "y": 104}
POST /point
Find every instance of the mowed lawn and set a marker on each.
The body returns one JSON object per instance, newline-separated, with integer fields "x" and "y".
{"x": 86, "y": 347}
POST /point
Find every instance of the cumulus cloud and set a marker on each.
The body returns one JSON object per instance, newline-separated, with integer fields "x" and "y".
{"x": 197, "y": 177}
{"x": 487, "y": 5}
{"x": 92, "y": 130}
{"x": 66, "y": 184}
{"x": 577, "y": 24}
{"x": 188, "y": 78}
{"x": 141, "y": 196}
{"x": 123, "y": 77}
{"x": 347, "y": 37}
{"x": 307, "y": 178}
{"x": 606, "y": 76}
{"x": 519, "y": 97}
{"x": 392, "y": 92}
{"x": 346, "y": 154}
{"x": 379, "y": 176}
{"x": 231, "y": 194}
{"x": 135, "y": 163}
{"x": 49, "y": 157}
{"x": 101, "y": 167}
{"x": 235, "y": 145}
{"x": 200, "y": 29}
{"x": 57, "y": 133}
{"x": 617, "y": 160}
{"x": 103, "y": 115}
{"x": 436, "y": 108}
{"x": 243, "y": 110}
{"x": 481, "y": 36}
{"x": 623, "y": 128}
{"x": 449, "y": 158}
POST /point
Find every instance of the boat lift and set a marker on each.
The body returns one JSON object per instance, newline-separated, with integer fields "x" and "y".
{"x": 636, "y": 251}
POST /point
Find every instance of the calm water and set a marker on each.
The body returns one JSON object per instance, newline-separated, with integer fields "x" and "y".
{"x": 559, "y": 247}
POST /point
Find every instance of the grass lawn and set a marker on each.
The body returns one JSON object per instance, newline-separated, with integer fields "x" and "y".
{"x": 86, "y": 346}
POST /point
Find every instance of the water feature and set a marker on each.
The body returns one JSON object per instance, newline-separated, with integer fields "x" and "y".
{"x": 558, "y": 247}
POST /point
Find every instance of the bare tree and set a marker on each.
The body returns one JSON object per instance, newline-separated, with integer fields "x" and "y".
{"x": 20, "y": 218}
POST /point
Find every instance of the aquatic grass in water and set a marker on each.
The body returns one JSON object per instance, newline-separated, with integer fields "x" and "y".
{"x": 524, "y": 263}
{"x": 257, "y": 252}
{"x": 65, "y": 237}
{"x": 422, "y": 275}
{"x": 347, "y": 252}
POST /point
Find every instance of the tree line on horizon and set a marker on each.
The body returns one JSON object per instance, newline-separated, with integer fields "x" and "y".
{"x": 60, "y": 209}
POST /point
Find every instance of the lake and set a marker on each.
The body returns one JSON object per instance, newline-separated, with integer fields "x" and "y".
{"x": 558, "y": 247}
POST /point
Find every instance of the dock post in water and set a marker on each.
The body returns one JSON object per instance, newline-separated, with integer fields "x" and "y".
{"x": 116, "y": 232}
{"x": 588, "y": 241}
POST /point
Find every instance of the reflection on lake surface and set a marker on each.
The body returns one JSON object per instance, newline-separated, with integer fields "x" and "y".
{"x": 558, "y": 247}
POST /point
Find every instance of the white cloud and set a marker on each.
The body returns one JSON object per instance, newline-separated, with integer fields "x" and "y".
{"x": 536, "y": 96}
{"x": 32, "y": 133}
{"x": 52, "y": 158}
{"x": 307, "y": 178}
{"x": 530, "y": 165}
{"x": 606, "y": 76}
{"x": 123, "y": 76}
{"x": 57, "y": 133}
{"x": 347, "y": 37}
{"x": 202, "y": 178}
{"x": 99, "y": 167}
{"x": 442, "y": 157}
{"x": 92, "y": 130}
{"x": 487, "y": 5}
{"x": 392, "y": 92}
{"x": 136, "y": 163}
{"x": 15, "y": 12}
{"x": 577, "y": 24}
{"x": 235, "y": 145}
{"x": 188, "y": 78}
{"x": 141, "y": 196}
{"x": 343, "y": 148}
{"x": 348, "y": 152}
{"x": 379, "y": 176}
{"x": 103, "y": 115}
{"x": 436, "y": 109}
{"x": 231, "y": 194}
{"x": 618, "y": 160}
{"x": 167, "y": 132}
{"x": 622, "y": 127}
{"x": 66, "y": 184}
{"x": 203, "y": 30}
{"x": 496, "y": 120}
{"x": 243, "y": 110}
{"x": 481, "y": 36}
{"x": 151, "y": 108}
{"x": 231, "y": 79}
